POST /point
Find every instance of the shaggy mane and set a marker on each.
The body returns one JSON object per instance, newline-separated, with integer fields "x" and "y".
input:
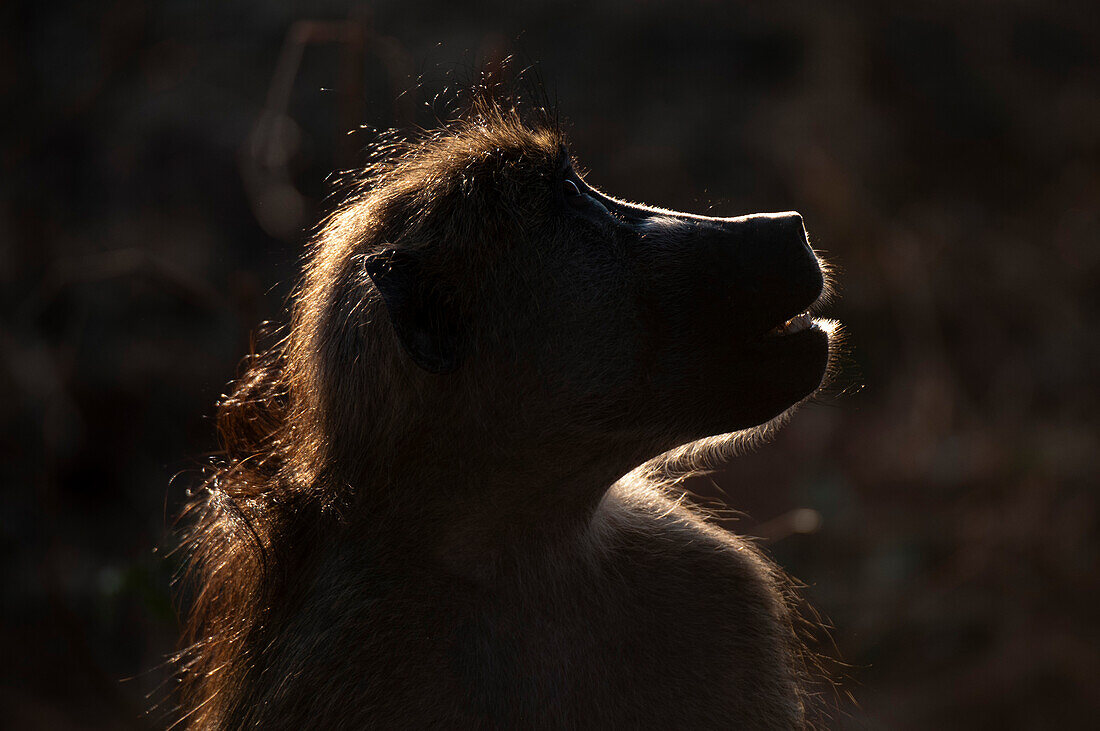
{"x": 269, "y": 489}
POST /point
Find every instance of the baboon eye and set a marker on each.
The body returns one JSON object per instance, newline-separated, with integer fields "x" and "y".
{"x": 571, "y": 192}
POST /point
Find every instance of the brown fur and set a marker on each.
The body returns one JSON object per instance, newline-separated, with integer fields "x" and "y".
{"x": 387, "y": 547}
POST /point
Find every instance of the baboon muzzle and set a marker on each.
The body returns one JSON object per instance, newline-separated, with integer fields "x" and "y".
{"x": 771, "y": 273}
{"x": 738, "y": 277}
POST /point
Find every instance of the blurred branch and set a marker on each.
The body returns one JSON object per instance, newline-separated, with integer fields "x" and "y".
{"x": 275, "y": 138}
{"x": 115, "y": 264}
{"x": 799, "y": 520}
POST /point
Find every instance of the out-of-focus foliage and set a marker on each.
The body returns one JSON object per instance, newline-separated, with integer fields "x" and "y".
{"x": 945, "y": 155}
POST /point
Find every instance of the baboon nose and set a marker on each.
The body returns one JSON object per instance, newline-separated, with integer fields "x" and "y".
{"x": 788, "y": 230}
{"x": 793, "y": 219}
{"x": 777, "y": 249}
{"x": 778, "y": 272}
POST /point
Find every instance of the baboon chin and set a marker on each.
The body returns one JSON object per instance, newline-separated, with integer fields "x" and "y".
{"x": 422, "y": 518}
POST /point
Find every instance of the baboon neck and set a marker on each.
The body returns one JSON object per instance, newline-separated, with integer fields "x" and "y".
{"x": 483, "y": 508}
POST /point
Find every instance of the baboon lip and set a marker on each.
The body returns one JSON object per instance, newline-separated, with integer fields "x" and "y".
{"x": 801, "y": 324}
{"x": 803, "y": 321}
{"x": 796, "y": 324}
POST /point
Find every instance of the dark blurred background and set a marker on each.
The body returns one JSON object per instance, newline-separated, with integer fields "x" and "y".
{"x": 163, "y": 163}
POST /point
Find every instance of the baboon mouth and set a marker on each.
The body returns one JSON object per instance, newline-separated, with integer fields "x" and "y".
{"x": 796, "y": 324}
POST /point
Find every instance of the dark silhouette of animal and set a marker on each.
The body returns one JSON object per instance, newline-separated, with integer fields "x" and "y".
{"x": 442, "y": 502}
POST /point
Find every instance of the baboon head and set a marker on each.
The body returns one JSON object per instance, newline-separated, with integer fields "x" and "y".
{"x": 523, "y": 303}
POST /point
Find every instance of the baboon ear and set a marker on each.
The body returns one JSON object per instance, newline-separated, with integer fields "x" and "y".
{"x": 424, "y": 321}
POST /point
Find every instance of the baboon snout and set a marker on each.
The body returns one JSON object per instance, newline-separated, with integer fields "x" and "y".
{"x": 773, "y": 253}
{"x": 756, "y": 271}
{"x": 789, "y": 230}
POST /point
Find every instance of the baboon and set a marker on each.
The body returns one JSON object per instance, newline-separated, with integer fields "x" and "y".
{"x": 445, "y": 500}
